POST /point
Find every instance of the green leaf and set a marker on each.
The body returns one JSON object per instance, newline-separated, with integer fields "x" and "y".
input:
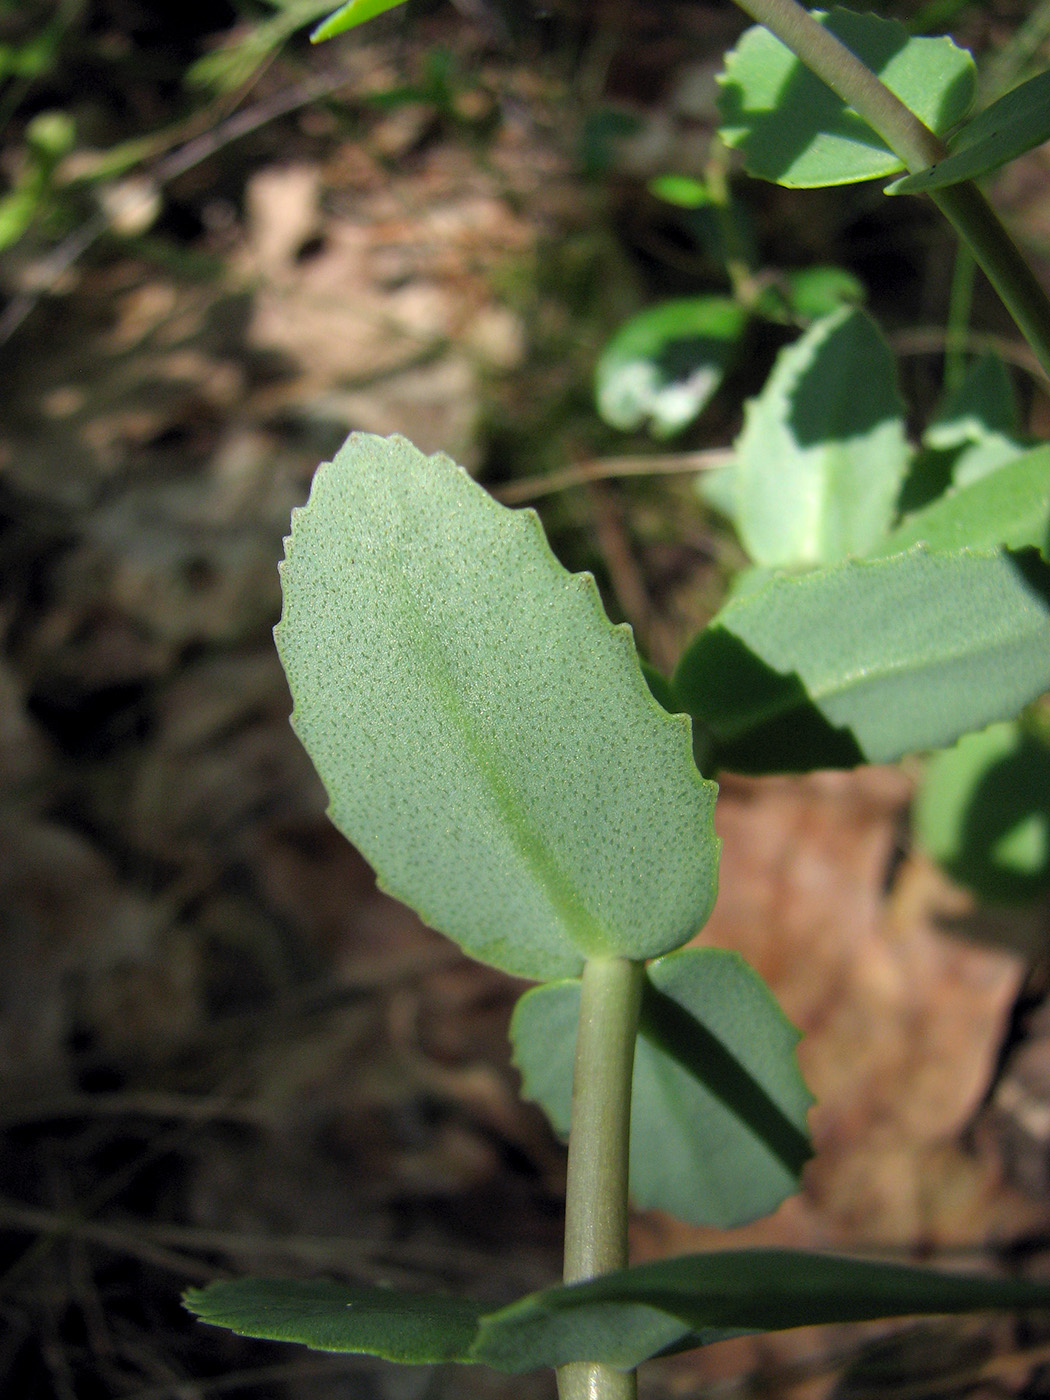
{"x": 624, "y": 1318}
{"x": 681, "y": 190}
{"x": 1009, "y": 507}
{"x": 869, "y": 660}
{"x": 484, "y": 732}
{"x": 1017, "y": 122}
{"x": 794, "y": 130}
{"x": 983, "y": 812}
{"x": 349, "y": 16}
{"x": 664, "y": 364}
{"x": 983, "y": 405}
{"x": 813, "y": 292}
{"x": 417, "y": 1328}
{"x": 819, "y": 465}
{"x": 979, "y": 423}
{"x": 718, "y": 1108}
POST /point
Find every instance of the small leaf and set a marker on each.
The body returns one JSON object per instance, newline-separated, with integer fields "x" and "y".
{"x": 813, "y": 292}
{"x": 1017, "y": 122}
{"x": 983, "y": 812}
{"x": 625, "y": 1318}
{"x": 794, "y": 130}
{"x": 869, "y": 660}
{"x": 1009, "y": 507}
{"x": 349, "y": 16}
{"x": 718, "y": 1109}
{"x": 681, "y": 190}
{"x": 418, "y": 1328}
{"x": 664, "y": 364}
{"x": 979, "y": 423}
{"x": 484, "y": 732}
{"x": 983, "y": 406}
{"x": 819, "y": 465}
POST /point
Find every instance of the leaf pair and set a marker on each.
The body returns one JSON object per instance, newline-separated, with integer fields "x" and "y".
{"x": 900, "y": 637}
{"x": 621, "y": 1319}
{"x": 794, "y": 130}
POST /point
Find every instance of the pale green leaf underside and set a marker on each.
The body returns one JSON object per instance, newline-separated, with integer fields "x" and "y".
{"x": 484, "y": 732}
{"x": 1009, "y": 506}
{"x": 792, "y": 129}
{"x": 349, "y": 16}
{"x": 819, "y": 464}
{"x": 718, "y": 1108}
{"x": 869, "y": 660}
{"x": 1017, "y": 122}
{"x": 623, "y": 1318}
{"x": 663, "y": 365}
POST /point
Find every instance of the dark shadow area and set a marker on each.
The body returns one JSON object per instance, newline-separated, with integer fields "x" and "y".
{"x": 677, "y": 1033}
{"x": 762, "y": 720}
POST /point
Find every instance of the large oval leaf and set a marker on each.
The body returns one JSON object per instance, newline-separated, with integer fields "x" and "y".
{"x": 663, "y": 365}
{"x": 983, "y": 812}
{"x": 1017, "y": 122}
{"x": 484, "y": 732}
{"x": 819, "y": 465}
{"x": 869, "y": 660}
{"x": 718, "y": 1107}
{"x": 794, "y": 130}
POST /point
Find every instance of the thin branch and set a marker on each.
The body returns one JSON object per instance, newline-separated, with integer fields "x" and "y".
{"x": 530, "y": 488}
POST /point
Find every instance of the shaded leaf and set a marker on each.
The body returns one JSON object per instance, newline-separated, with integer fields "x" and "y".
{"x": 484, "y": 732}
{"x": 349, "y": 16}
{"x": 621, "y": 1318}
{"x": 624, "y": 1318}
{"x": 1017, "y": 122}
{"x": 983, "y": 406}
{"x": 663, "y": 365}
{"x": 794, "y": 130}
{"x": 819, "y": 466}
{"x": 1009, "y": 507}
{"x": 718, "y": 1109}
{"x": 409, "y": 1327}
{"x": 869, "y": 660}
{"x": 983, "y": 812}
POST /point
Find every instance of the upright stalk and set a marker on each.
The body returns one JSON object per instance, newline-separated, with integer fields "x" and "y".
{"x": 918, "y": 147}
{"x": 599, "y": 1145}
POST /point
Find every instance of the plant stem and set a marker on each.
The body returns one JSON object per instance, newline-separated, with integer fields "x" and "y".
{"x": 918, "y": 147}
{"x": 599, "y": 1147}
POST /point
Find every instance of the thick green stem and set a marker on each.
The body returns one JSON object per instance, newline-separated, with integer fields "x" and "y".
{"x": 599, "y": 1147}
{"x": 918, "y": 147}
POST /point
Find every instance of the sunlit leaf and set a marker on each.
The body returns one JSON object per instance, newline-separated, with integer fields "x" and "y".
{"x": 718, "y": 1110}
{"x": 680, "y": 190}
{"x": 792, "y": 129}
{"x": 819, "y": 464}
{"x": 869, "y": 660}
{"x": 1017, "y": 122}
{"x": 663, "y": 365}
{"x": 349, "y": 16}
{"x": 484, "y": 732}
{"x": 1008, "y": 507}
{"x": 983, "y": 812}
